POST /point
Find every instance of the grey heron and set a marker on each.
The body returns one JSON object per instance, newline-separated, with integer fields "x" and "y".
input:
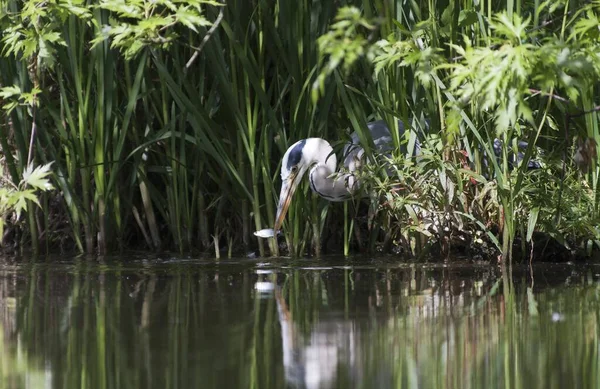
{"x": 316, "y": 155}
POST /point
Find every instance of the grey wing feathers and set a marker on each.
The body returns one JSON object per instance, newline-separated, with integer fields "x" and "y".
{"x": 382, "y": 139}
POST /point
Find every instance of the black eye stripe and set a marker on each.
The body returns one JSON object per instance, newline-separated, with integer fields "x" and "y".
{"x": 295, "y": 155}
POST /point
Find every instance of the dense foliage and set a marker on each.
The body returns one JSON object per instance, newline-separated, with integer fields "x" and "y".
{"x": 166, "y": 120}
{"x": 510, "y": 76}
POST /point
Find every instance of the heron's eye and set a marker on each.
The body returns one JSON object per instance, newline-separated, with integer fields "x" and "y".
{"x": 294, "y": 169}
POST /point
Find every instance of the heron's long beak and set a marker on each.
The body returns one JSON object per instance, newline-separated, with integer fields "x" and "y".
{"x": 288, "y": 187}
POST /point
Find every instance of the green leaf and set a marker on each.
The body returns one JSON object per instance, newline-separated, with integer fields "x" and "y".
{"x": 477, "y": 177}
{"x": 10, "y": 91}
{"x": 531, "y": 222}
{"x": 467, "y": 17}
{"x": 20, "y": 204}
{"x": 37, "y": 177}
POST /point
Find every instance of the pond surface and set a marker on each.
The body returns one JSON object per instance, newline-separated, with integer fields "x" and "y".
{"x": 276, "y": 323}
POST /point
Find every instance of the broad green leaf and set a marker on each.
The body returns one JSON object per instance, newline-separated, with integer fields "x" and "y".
{"x": 467, "y": 17}
{"x": 37, "y": 177}
{"x": 10, "y": 91}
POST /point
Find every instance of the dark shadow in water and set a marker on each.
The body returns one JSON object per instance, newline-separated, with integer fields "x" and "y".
{"x": 335, "y": 323}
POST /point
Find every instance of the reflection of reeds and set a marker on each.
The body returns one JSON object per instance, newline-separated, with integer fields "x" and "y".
{"x": 98, "y": 326}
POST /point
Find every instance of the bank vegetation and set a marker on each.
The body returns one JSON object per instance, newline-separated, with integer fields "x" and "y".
{"x": 165, "y": 122}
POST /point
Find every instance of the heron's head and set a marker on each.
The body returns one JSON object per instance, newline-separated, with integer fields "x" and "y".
{"x": 293, "y": 166}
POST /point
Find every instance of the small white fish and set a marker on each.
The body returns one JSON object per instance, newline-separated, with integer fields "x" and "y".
{"x": 263, "y": 286}
{"x": 266, "y": 233}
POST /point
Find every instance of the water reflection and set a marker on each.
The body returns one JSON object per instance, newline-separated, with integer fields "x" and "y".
{"x": 320, "y": 324}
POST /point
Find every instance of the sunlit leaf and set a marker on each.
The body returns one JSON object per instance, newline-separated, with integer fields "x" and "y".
{"x": 531, "y": 222}
{"x": 37, "y": 177}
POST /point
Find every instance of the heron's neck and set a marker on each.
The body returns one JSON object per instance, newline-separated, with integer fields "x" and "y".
{"x": 338, "y": 187}
{"x": 323, "y": 179}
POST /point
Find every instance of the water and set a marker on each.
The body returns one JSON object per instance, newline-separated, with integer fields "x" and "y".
{"x": 333, "y": 323}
